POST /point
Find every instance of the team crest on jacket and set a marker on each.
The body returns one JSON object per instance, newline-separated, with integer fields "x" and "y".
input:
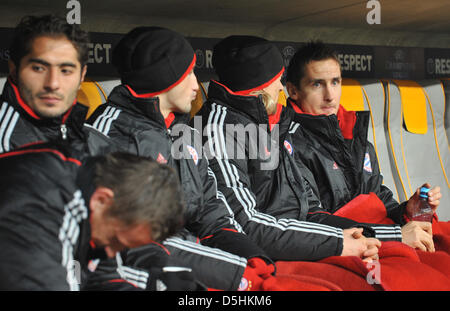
{"x": 160, "y": 159}
{"x": 367, "y": 164}
{"x": 92, "y": 265}
{"x": 244, "y": 285}
{"x": 193, "y": 153}
{"x": 288, "y": 147}
{"x": 335, "y": 166}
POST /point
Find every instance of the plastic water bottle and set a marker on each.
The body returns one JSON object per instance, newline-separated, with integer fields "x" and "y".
{"x": 424, "y": 211}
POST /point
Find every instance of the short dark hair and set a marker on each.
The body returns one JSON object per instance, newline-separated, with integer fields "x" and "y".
{"x": 145, "y": 192}
{"x": 31, "y": 27}
{"x": 311, "y": 51}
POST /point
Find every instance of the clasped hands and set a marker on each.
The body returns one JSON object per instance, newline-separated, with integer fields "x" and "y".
{"x": 356, "y": 244}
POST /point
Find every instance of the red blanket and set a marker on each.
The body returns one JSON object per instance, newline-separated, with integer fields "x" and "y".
{"x": 400, "y": 267}
{"x": 259, "y": 276}
{"x": 369, "y": 208}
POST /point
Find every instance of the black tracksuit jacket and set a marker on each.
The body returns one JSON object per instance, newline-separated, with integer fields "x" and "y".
{"x": 257, "y": 175}
{"x": 20, "y": 126}
{"x": 343, "y": 168}
{"x": 137, "y": 126}
{"x": 45, "y": 232}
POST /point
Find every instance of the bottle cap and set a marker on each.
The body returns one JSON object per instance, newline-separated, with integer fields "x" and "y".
{"x": 424, "y": 192}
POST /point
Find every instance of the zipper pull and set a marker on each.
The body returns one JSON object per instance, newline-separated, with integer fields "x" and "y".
{"x": 64, "y": 131}
{"x": 169, "y": 132}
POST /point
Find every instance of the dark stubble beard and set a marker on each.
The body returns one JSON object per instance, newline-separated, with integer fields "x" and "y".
{"x": 27, "y": 96}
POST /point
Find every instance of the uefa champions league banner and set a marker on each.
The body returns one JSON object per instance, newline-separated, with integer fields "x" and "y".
{"x": 399, "y": 63}
{"x": 356, "y": 61}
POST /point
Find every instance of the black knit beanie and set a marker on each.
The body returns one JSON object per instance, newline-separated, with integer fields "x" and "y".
{"x": 246, "y": 63}
{"x": 152, "y": 60}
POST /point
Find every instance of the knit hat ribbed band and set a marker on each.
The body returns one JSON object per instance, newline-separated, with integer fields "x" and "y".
{"x": 247, "y": 63}
{"x": 152, "y": 60}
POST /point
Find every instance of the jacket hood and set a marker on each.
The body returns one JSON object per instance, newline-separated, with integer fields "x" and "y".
{"x": 249, "y": 105}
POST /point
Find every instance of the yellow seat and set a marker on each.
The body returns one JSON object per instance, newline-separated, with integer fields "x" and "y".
{"x": 352, "y": 96}
{"x": 201, "y": 97}
{"x": 91, "y": 95}
{"x": 414, "y": 106}
{"x": 282, "y": 98}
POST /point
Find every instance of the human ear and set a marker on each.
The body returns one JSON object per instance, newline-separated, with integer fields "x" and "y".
{"x": 293, "y": 91}
{"x": 101, "y": 200}
{"x": 83, "y": 73}
{"x": 12, "y": 70}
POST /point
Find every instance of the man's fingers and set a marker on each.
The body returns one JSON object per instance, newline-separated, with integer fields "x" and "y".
{"x": 428, "y": 244}
{"x": 426, "y": 185}
{"x": 369, "y": 259}
{"x": 371, "y": 252}
{"x": 425, "y": 226}
{"x": 435, "y": 193}
{"x": 357, "y": 233}
{"x": 420, "y": 246}
{"x": 373, "y": 241}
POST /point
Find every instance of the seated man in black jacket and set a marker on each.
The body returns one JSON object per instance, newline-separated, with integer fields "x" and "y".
{"x": 332, "y": 143}
{"x": 147, "y": 115}
{"x": 247, "y": 136}
{"x": 48, "y": 63}
{"x": 53, "y": 208}
{"x": 38, "y": 103}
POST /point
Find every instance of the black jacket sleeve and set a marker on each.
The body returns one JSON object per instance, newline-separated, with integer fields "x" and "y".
{"x": 209, "y": 217}
{"x": 382, "y": 232}
{"x": 142, "y": 268}
{"x": 213, "y": 267}
{"x": 34, "y": 189}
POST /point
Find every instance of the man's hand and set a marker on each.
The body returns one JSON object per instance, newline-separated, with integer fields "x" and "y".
{"x": 418, "y": 234}
{"x": 434, "y": 197}
{"x": 355, "y": 244}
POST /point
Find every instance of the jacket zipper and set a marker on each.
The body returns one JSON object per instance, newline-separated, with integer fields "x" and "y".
{"x": 169, "y": 134}
{"x": 64, "y": 131}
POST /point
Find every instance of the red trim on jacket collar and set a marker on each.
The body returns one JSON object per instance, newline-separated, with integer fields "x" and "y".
{"x": 346, "y": 119}
{"x": 294, "y": 105}
{"x": 169, "y": 119}
{"x": 66, "y": 115}
{"x": 150, "y": 95}
{"x": 231, "y": 92}
{"x": 275, "y": 118}
{"x": 299, "y": 110}
{"x": 28, "y": 108}
{"x": 21, "y": 102}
